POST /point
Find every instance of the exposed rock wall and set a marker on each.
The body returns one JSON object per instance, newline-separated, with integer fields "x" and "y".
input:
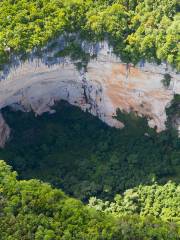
{"x": 138, "y": 89}
{"x": 4, "y": 131}
{"x": 105, "y": 85}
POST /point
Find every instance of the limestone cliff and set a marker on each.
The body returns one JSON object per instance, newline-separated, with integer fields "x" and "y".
{"x": 4, "y": 131}
{"x": 103, "y": 86}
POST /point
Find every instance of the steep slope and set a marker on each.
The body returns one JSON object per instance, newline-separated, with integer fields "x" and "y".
{"x": 103, "y": 86}
{"x": 34, "y": 210}
{"x": 38, "y": 67}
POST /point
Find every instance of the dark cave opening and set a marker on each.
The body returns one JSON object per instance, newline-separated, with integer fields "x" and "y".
{"x": 80, "y": 154}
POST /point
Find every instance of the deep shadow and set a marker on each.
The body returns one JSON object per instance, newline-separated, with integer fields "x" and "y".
{"x": 80, "y": 154}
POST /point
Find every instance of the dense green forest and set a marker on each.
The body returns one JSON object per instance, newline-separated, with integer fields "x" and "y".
{"x": 78, "y": 153}
{"x": 79, "y": 179}
{"x": 83, "y": 156}
{"x": 138, "y": 29}
{"x": 155, "y": 200}
{"x": 126, "y": 180}
{"x": 34, "y": 210}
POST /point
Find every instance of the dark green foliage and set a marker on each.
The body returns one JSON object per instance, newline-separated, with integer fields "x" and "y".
{"x": 78, "y": 153}
{"x": 75, "y": 52}
{"x": 166, "y": 80}
{"x": 34, "y": 210}
{"x": 138, "y": 125}
{"x": 137, "y": 29}
{"x": 173, "y": 111}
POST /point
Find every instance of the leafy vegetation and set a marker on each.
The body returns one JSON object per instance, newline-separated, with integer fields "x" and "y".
{"x": 34, "y": 210}
{"x": 81, "y": 155}
{"x": 138, "y": 29}
{"x": 173, "y": 111}
{"x": 154, "y": 200}
{"x": 166, "y": 80}
{"x": 75, "y": 151}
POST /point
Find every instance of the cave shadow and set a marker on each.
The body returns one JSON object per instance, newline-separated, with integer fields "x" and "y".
{"x": 80, "y": 154}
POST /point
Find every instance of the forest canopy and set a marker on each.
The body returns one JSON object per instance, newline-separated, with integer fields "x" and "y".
{"x": 34, "y": 210}
{"x": 129, "y": 177}
{"x": 108, "y": 160}
{"x": 137, "y": 29}
{"x": 76, "y": 152}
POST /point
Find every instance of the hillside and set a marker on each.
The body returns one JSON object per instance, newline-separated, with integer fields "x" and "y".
{"x": 89, "y": 120}
{"x": 138, "y": 30}
{"x": 33, "y": 210}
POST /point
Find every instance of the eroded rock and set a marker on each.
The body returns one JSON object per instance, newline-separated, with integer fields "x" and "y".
{"x": 105, "y": 85}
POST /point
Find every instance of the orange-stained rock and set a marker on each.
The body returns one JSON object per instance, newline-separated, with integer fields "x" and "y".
{"x": 107, "y": 84}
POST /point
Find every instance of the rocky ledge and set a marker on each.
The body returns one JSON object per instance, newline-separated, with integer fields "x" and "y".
{"x": 103, "y": 86}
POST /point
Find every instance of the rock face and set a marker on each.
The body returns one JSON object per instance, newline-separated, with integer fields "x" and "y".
{"x": 105, "y": 85}
{"x": 4, "y": 131}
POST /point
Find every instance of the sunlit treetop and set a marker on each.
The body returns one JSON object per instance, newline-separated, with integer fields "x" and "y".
{"x": 138, "y": 29}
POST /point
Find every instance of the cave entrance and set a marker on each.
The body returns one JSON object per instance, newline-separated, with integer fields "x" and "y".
{"x": 80, "y": 154}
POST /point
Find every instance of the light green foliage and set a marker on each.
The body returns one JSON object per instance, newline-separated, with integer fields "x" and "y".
{"x": 79, "y": 153}
{"x": 34, "y": 210}
{"x": 136, "y": 29}
{"x": 155, "y": 34}
{"x": 28, "y": 24}
{"x": 154, "y": 200}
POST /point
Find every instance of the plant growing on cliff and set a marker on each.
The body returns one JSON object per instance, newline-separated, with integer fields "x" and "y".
{"x": 166, "y": 80}
{"x": 173, "y": 112}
